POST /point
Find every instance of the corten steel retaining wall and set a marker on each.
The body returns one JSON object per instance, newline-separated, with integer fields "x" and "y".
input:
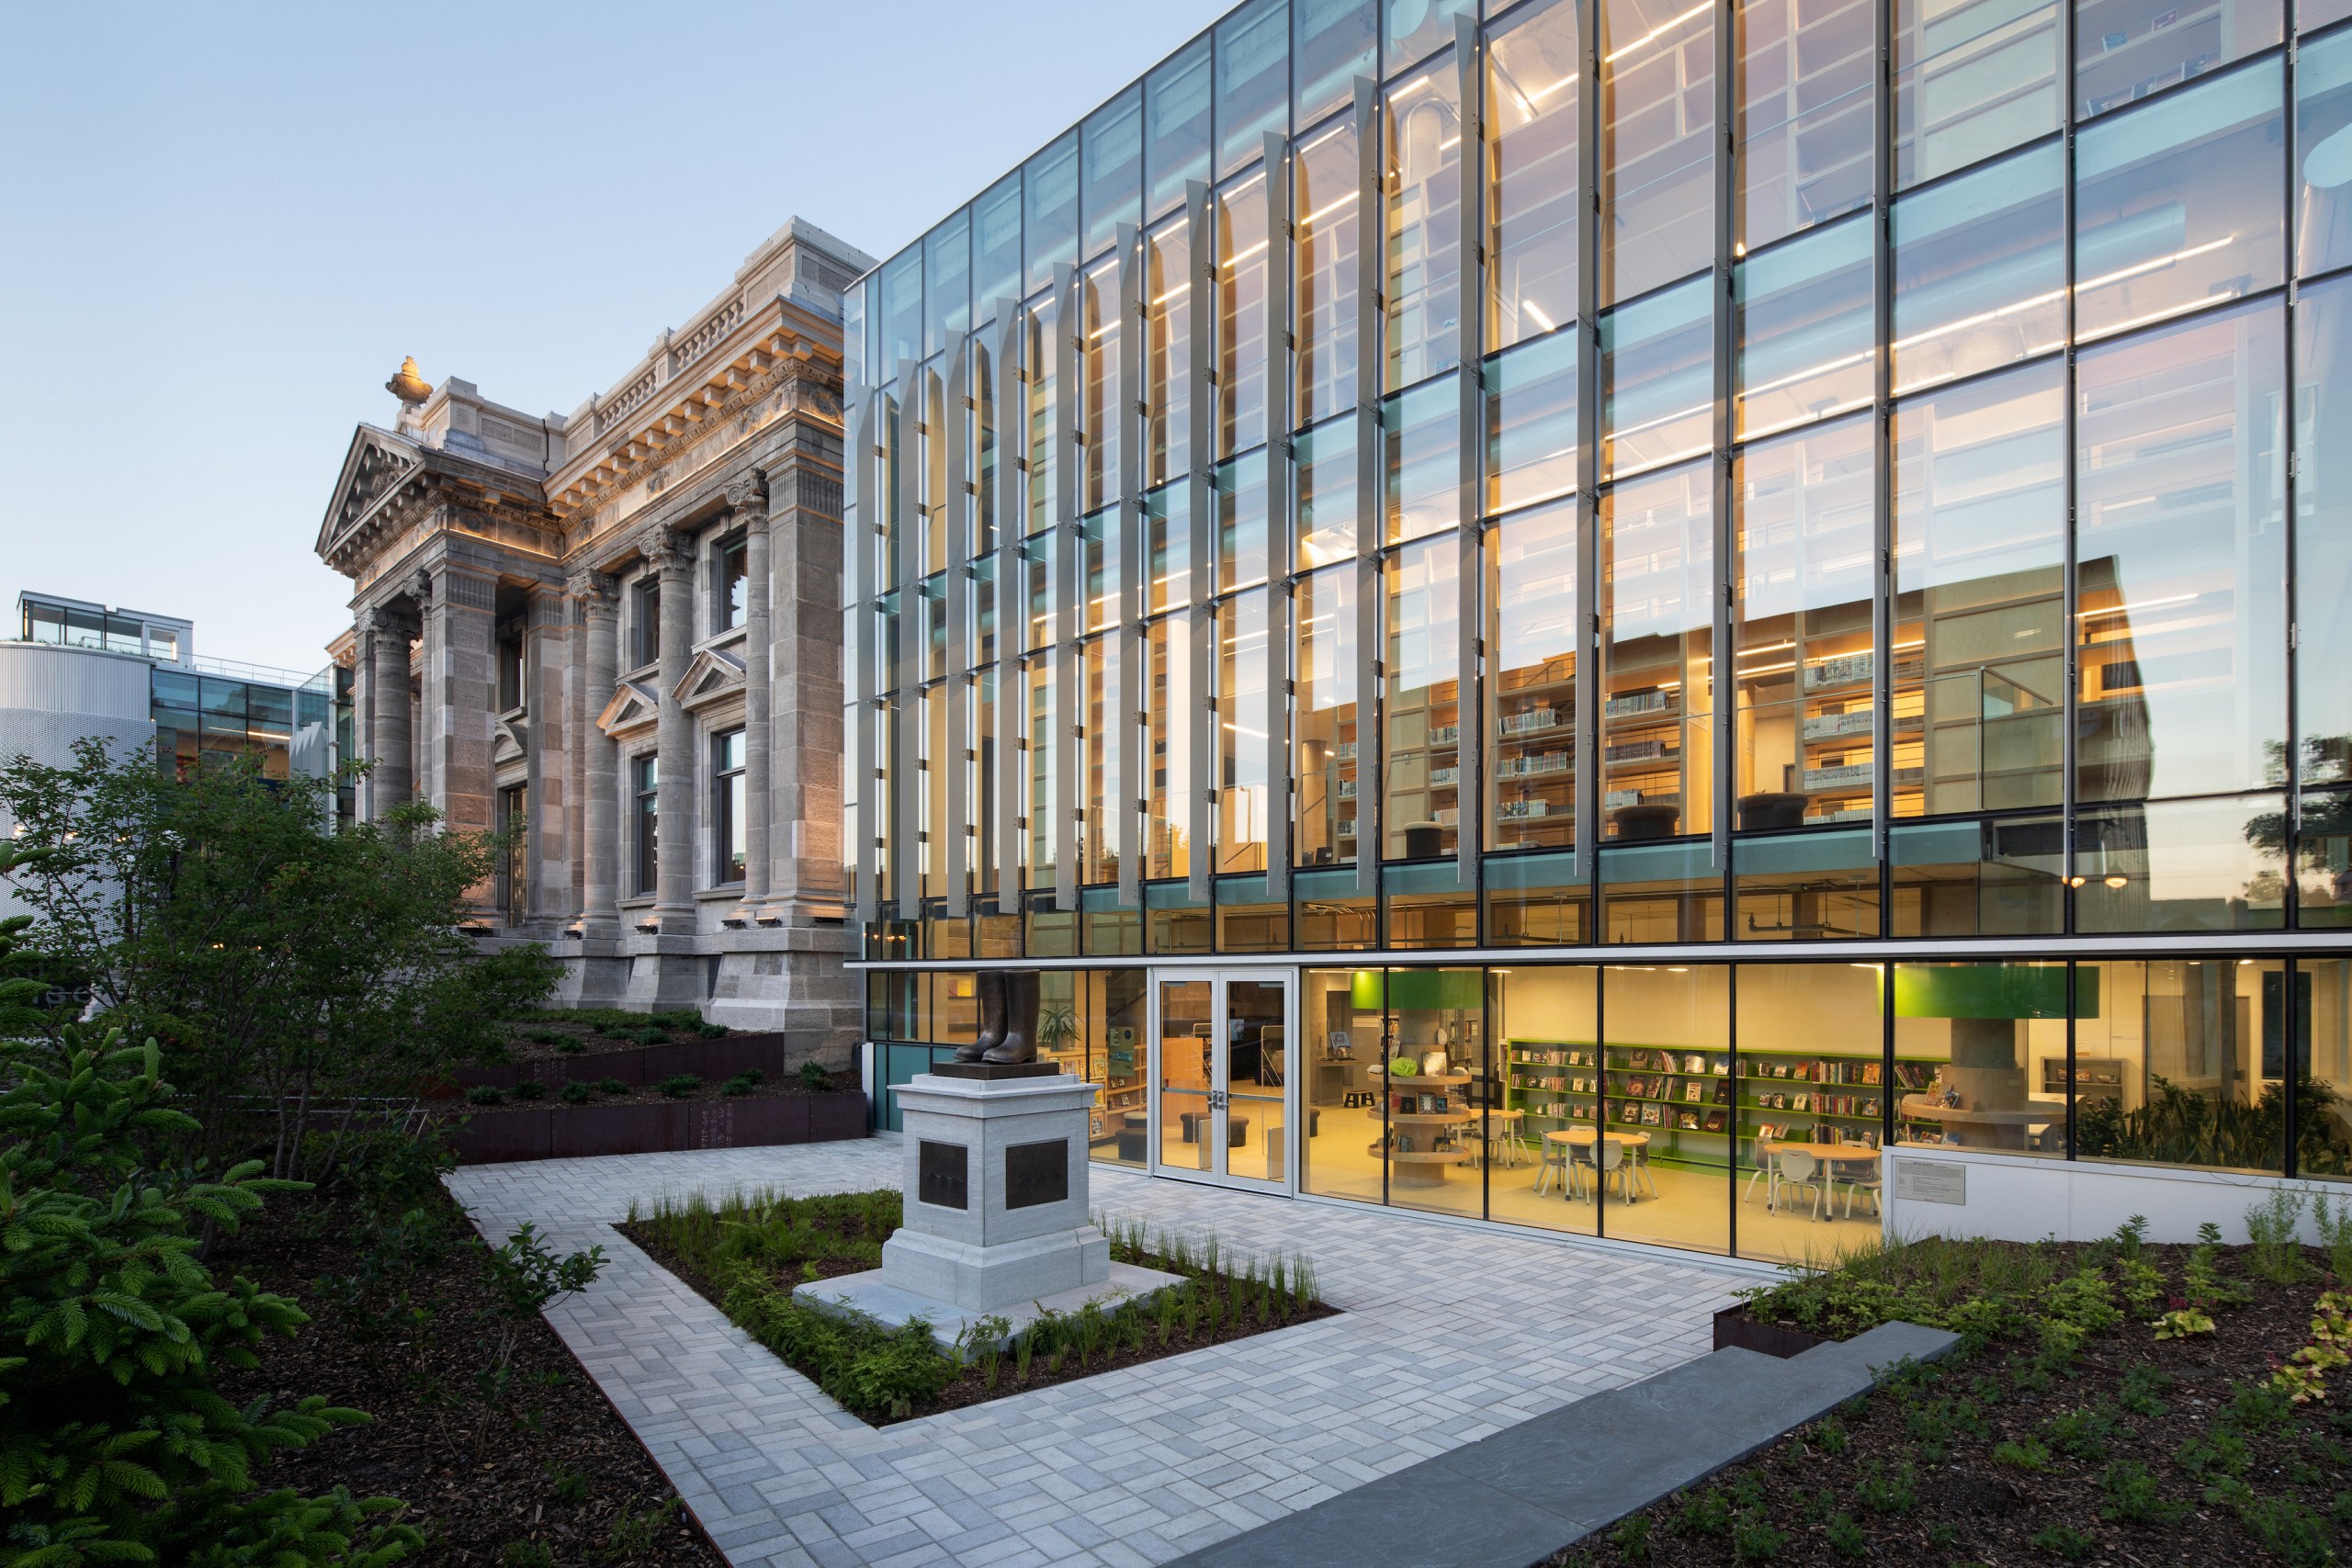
{"x": 565, "y": 1131}
{"x": 637, "y": 1066}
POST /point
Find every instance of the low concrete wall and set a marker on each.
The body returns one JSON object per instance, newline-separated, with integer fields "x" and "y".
{"x": 1972, "y": 1192}
{"x": 566, "y": 1131}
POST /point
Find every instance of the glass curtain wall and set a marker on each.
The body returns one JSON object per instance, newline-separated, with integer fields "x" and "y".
{"x": 2025, "y": 635}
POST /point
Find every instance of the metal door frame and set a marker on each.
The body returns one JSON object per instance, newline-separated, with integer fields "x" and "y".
{"x": 1218, "y": 980}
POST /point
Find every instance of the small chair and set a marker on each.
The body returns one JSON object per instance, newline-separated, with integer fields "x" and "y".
{"x": 1795, "y": 1168}
{"x": 1558, "y": 1157}
{"x": 1764, "y": 1152}
{"x": 1502, "y": 1127}
{"x": 1869, "y": 1185}
{"x": 1637, "y": 1167}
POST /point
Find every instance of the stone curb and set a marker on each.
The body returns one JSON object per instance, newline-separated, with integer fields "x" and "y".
{"x": 1522, "y": 1494}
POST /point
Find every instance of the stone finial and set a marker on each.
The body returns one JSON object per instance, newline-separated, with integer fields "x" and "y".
{"x": 407, "y": 385}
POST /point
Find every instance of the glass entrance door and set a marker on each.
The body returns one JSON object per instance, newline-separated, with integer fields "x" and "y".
{"x": 1220, "y": 1075}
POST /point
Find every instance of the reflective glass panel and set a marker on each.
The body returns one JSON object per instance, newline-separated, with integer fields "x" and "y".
{"x": 2324, "y": 530}
{"x": 1805, "y": 887}
{"x": 1421, "y": 435}
{"x": 1979, "y": 270}
{"x": 1412, "y": 31}
{"x": 948, "y": 284}
{"x": 1332, "y": 43}
{"x": 2125, "y": 49}
{"x": 1657, "y": 596}
{"x": 1658, "y": 124}
{"x": 1324, "y": 468}
{"x": 1241, "y": 522}
{"x": 1980, "y": 515}
{"x": 1176, "y": 126}
{"x": 2180, "y": 560}
{"x": 1167, "y": 534}
{"x": 1241, "y": 314}
{"x": 1045, "y": 796}
{"x": 1980, "y": 1057}
{"x": 1801, "y": 624}
{"x": 1671, "y": 1184}
{"x": 1243, "y": 798}
{"x": 1658, "y": 379}
{"x": 1111, "y": 145}
{"x": 1421, "y": 722}
{"x": 1167, "y": 350}
{"x": 1103, "y": 402}
{"x": 1252, "y": 81}
{"x": 2175, "y": 1064}
{"x": 1047, "y": 357}
{"x": 1530, "y": 599}
{"x": 1168, "y": 644}
{"x": 1343, "y": 1015}
{"x": 1972, "y": 80}
{"x": 1098, "y": 544}
{"x": 1661, "y": 893}
{"x": 2176, "y": 204}
{"x": 1104, "y": 753}
{"x": 1809, "y": 1102}
{"x": 2182, "y": 865}
{"x": 2324, "y": 861}
{"x": 2323, "y": 139}
{"x": 1532, "y": 69}
{"x": 1323, "y": 176}
{"x": 996, "y": 245}
{"x": 1324, "y": 774}
{"x": 1803, "y": 120}
{"x": 1423, "y": 144}
{"x": 1541, "y": 1121}
{"x": 2004, "y": 877}
{"x": 2323, "y": 1028}
{"x": 1531, "y": 423}
{"x": 1049, "y": 210}
{"x": 1804, "y": 313}
{"x": 902, "y": 324}
{"x": 1533, "y": 901}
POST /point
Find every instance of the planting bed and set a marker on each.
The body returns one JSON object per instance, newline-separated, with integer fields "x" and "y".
{"x": 559, "y": 1471}
{"x": 2064, "y": 1430}
{"x": 746, "y": 1255}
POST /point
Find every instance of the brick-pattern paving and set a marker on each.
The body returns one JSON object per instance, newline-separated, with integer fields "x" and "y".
{"x": 1448, "y": 1334}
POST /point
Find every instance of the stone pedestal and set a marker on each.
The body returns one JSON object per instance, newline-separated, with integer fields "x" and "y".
{"x": 996, "y": 1221}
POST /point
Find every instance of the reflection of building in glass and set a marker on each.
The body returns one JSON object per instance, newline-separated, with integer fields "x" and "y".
{"x": 1604, "y": 545}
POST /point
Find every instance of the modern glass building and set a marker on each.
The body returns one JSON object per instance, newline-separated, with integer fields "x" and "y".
{"x": 1734, "y": 585}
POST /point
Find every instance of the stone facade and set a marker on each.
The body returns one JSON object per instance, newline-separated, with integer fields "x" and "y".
{"x": 620, "y": 626}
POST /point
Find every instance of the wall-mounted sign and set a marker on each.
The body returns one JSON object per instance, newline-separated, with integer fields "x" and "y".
{"x": 1931, "y": 1181}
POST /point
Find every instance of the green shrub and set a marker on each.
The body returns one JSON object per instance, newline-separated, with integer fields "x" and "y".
{"x": 530, "y": 1088}
{"x": 570, "y": 1044}
{"x": 1632, "y": 1537}
{"x": 2335, "y": 1226}
{"x": 742, "y": 1083}
{"x": 1753, "y": 1539}
{"x": 574, "y": 1093}
{"x": 549, "y": 1037}
{"x": 2064, "y": 1541}
{"x": 815, "y": 1077}
{"x": 679, "y": 1084}
{"x": 1845, "y": 1537}
{"x": 2132, "y": 1497}
{"x": 486, "y": 1094}
{"x": 2029, "y": 1455}
{"x": 1704, "y": 1514}
{"x": 611, "y": 1086}
{"x": 115, "y": 1447}
{"x": 2080, "y": 1434}
{"x": 2271, "y": 1226}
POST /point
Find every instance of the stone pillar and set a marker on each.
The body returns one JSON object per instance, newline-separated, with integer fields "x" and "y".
{"x": 759, "y": 658}
{"x": 547, "y": 732}
{"x": 804, "y": 804}
{"x": 600, "y": 849}
{"x": 462, "y": 685}
{"x": 392, "y": 781}
{"x": 674, "y": 902}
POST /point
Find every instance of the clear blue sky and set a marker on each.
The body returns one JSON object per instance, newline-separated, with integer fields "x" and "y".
{"x": 222, "y": 225}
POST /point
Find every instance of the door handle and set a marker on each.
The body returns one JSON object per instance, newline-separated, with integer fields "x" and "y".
{"x": 1217, "y": 1099}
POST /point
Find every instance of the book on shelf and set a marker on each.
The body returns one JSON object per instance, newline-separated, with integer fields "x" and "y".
{"x": 1652, "y": 1116}
{"x": 1715, "y": 1121}
{"x": 1694, "y": 1092}
{"x": 1694, "y": 1063}
{"x": 1686, "y": 1119}
{"x": 1768, "y": 1132}
{"x": 1799, "y": 1103}
{"x": 1722, "y": 1092}
{"x": 1629, "y": 1112}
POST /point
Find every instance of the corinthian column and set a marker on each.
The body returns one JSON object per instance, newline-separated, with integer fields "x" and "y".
{"x": 600, "y": 850}
{"x": 391, "y": 781}
{"x": 758, "y": 670}
{"x": 674, "y": 902}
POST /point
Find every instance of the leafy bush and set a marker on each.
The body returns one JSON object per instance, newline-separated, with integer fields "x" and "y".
{"x": 530, "y": 1088}
{"x": 611, "y": 1086}
{"x": 2180, "y": 1126}
{"x": 742, "y": 1083}
{"x": 486, "y": 1094}
{"x": 815, "y": 1077}
{"x": 114, "y": 1447}
{"x": 679, "y": 1084}
{"x": 576, "y": 1093}
{"x": 555, "y": 1037}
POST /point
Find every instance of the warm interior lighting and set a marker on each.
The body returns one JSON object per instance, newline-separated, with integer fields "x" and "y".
{"x": 2136, "y": 604}
{"x": 1654, "y": 34}
{"x": 1536, "y": 313}
{"x": 2119, "y": 882}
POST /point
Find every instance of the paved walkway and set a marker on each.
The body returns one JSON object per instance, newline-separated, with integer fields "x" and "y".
{"x": 1448, "y": 1334}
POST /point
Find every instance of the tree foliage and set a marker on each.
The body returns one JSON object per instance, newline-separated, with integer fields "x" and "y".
{"x": 113, "y": 1445}
{"x": 315, "y": 978}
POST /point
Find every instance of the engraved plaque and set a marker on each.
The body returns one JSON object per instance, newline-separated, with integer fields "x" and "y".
{"x": 941, "y": 1177}
{"x": 1036, "y": 1173}
{"x": 1931, "y": 1181}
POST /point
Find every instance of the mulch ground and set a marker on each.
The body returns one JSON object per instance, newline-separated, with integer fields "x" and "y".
{"x": 973, "y": 1385}
{"x": 563, "y": 1472}
{"x": 1909, "y": 1474}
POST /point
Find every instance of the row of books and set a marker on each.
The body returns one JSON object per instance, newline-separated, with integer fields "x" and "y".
{"x": 1828, "y": 1070}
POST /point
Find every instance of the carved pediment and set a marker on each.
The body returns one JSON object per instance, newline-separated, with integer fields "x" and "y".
{"x": 716, "y": 672}
{"x": 635, "y": 705}
{"x": 510, "y": 740}
{"x": 375, "y": 470}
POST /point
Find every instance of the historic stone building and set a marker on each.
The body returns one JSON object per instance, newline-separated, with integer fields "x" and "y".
{"x": 619, "y": 629}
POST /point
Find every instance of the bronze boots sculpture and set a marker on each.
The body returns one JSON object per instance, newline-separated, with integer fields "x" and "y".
{"x": 1008, "y": 999}
{"x": 988, "y": 986}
